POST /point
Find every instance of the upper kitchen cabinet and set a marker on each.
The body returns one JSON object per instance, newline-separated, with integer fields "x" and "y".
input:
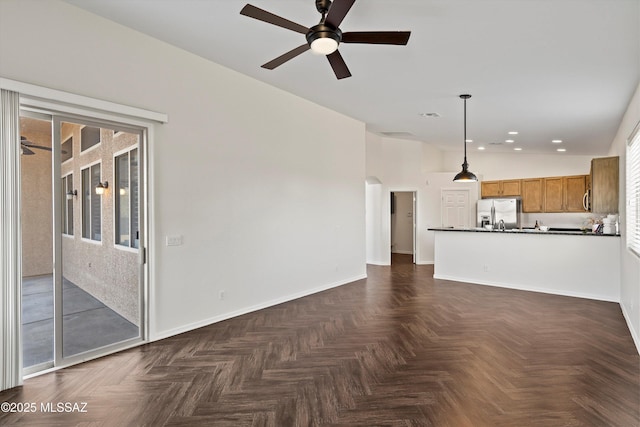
{"x": 553, "y": 195}
{"x": 503, "y": 188}
{"x": 604, "y": 185}
{"x": 565, "y": 193}
{"x": 532, "y": 195}
{"x": 575, "y": 190}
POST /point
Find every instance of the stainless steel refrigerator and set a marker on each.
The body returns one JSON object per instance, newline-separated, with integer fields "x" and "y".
{"x": 491, "y": 211}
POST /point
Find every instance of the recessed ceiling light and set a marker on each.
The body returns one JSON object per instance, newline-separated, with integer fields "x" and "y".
{"x": 562, "y": 150}
{"x": 481, "y": 148}
{"x": 469, "y": 140}
{"x": 509, "y": 141}
{"x": 556, "y": 141}
{"x": 432, "y": 115}
{"x": 513, "y": 132}
{"x": 518, "y": 149}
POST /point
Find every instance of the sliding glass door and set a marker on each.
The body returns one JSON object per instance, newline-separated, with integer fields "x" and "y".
{"x": 93, "y": 204}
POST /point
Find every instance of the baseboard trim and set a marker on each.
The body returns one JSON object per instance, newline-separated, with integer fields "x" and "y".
{"x": 528, "y": 288}
{"x": 634, "y": 333}
{"x": 250, "y": 309}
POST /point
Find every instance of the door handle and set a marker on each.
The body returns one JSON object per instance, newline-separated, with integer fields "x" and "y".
{"x": 585, "y": 201}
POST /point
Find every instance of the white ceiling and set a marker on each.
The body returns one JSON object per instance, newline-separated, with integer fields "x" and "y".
{"x": 549, "y": 69}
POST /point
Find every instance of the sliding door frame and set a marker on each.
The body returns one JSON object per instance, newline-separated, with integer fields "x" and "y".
{"x": 60, "y": 359}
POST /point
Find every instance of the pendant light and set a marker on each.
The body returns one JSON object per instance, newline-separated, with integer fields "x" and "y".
{"x": 465, "y": 175}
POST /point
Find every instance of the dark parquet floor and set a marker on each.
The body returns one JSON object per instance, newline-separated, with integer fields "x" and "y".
{"x": 396, "y": 349}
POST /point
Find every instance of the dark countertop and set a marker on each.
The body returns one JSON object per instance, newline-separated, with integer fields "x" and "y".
{"x": 527, "y": 231}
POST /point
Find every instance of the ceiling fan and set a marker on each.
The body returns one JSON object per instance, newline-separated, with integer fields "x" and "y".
{"x": 26, "y": 146}
{"x": 325, "y": 37}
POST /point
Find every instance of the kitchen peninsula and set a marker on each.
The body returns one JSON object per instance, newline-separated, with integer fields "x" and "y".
{"x": 568, "y": 263}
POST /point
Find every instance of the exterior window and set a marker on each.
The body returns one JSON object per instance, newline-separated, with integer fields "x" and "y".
{"x": 633, "y": 191}
{"x": 89, "y": 136}
{"x": 67, "y": 205}
{"x": 67, "y": 150}
{"x": 127, "y": 194}
{"x": 91, "y": 204}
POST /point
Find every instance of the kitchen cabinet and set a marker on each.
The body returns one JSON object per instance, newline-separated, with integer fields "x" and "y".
{"x": 532, "y": 194}
{"x": 503, "y": 188}
{"x": 604, "y": 185}
{"x": 575, "y": 189}
{"x": 553, "y": 195}
{"x": 490, "y": 189}
{"x": 564, "y": 193}
{"x": 511, "y": 188}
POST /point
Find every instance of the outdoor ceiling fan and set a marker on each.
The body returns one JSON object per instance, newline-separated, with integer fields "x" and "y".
{"x": 325, "y": 37}
{"x": 26, "y": 146}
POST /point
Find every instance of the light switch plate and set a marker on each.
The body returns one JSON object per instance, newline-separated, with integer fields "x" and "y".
{"x": 174, "y": 240}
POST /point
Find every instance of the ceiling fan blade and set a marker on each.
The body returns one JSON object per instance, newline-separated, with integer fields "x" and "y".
{"x": 26, "y": 152}
{"x": 285, "y": 57}
{"x": 377, "y": 37}
{"x": 39, "y": 147}
{"x": 337, "y": 11}
{"x": 263, "y": 15}
{"x": 339, "y": 66}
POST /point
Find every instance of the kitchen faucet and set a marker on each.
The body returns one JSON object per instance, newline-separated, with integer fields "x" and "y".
{"x": 501, "y": 226}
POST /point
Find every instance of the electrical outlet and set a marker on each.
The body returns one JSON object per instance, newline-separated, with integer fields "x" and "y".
{"x": 221, "y": 295}
{"x": 174, "y": 240}
{"x": 485, "y": 267}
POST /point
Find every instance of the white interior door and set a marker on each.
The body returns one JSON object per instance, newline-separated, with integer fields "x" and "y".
{"x": 455, "y": 208}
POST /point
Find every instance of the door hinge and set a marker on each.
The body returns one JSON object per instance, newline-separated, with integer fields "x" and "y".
{"x": 143, "y": 256}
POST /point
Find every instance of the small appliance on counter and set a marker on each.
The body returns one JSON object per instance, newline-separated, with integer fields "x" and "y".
{"x": 610, "y": 224}
{"x": 491, "y": 211}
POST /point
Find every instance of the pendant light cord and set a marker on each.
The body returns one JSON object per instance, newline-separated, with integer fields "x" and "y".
{"x": 465, "y": 130}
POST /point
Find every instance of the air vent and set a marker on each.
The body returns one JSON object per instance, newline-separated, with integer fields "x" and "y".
{"x": 495, "y": 143}
{"x": 397, "y": 134}
{"x": 431, "y": 115}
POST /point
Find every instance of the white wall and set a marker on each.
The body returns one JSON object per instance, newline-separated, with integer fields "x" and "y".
{"x": 269, "y": 200}
{"x": 629, "y": 263}
{"x": 375, "y": 249}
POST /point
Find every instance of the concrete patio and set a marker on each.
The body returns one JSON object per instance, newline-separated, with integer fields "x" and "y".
{"x": 87, "y": 323}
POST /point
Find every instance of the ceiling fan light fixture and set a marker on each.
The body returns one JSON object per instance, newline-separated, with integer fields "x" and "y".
{"x": 323, "y": 39}
{"x": 324, "y": 46}
{"x": 465, "y": 175}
